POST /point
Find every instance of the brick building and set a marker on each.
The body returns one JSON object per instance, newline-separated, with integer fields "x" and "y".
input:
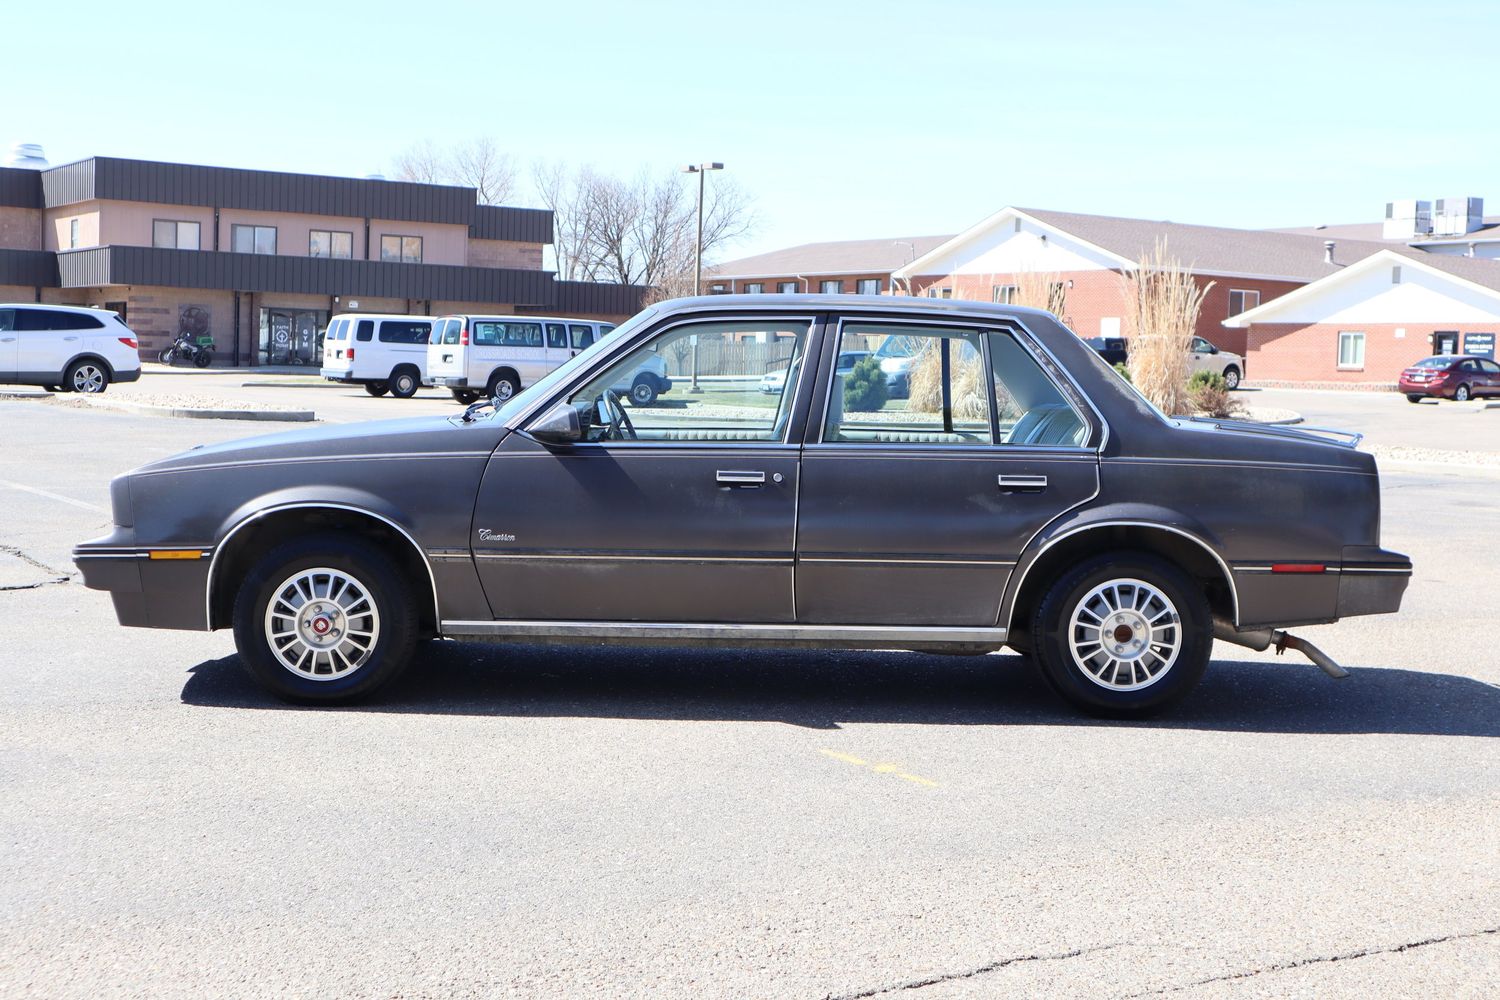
{"x": 260, "y": 260}
{"x": 844, "y": 267}
{"x": 1360, "y": 327}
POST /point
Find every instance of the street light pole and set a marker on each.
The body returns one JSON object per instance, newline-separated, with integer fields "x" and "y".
{"x": 701, "y": 170}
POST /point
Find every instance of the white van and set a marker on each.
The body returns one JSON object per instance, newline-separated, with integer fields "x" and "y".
{"x": 382, "y": 352}
{"x": 72, "y": 348}
{"x": 498, "y": 356}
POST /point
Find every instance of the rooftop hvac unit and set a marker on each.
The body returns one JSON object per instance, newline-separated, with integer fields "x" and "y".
{"x": 1457, "y": 216}
{"x": 1406, "y": 219}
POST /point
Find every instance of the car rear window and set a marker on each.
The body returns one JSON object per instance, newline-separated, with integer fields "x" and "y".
{"x": 397, "y": 331}
{"x": 50, "y": 319}
{"x": 1440, "y": 361}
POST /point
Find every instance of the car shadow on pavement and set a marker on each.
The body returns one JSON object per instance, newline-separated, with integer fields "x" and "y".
{"x": 823, "y": 689}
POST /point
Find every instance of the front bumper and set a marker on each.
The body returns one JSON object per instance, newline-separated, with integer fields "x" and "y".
{"x": 157, "y": 587}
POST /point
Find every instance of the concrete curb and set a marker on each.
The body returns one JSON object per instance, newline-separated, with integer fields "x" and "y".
{"x": 292, "y": 385}
{"x": 26, "y": 394}
{"x": 195, "y": 413}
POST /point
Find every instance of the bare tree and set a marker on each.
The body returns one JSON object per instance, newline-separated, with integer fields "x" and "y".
{"x": 422, "y": 162}
{"x": 481, "y": 165}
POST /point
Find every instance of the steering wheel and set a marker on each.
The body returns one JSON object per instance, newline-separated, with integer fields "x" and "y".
{"x": 619, "y": 420}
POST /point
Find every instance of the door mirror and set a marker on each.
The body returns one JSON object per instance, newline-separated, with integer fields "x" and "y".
{"x": 559, "y": 425}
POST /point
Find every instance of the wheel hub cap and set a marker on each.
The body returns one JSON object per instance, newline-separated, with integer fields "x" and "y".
{"x": 321, "y": 624}
{"x": 1124, "y": 635}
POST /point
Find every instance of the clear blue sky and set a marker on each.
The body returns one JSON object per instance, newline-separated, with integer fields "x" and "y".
{"x": 843, "y": 120}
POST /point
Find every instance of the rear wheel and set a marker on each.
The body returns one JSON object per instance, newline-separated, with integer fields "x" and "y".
{"x": 86, "y": 376}
{"x": 324, "y": 620}
{"x": 1123, "y": 635}
{"x": 502, "y": 386}
{"x": 465, "y": 396}
{"x": 203, "y": 358}
{"x": 1461, "y": 394}
{"x": 405, "y": 382}
{"x": 51, "y": 388}
{"x": 1231, "y": 378}
{"x": 643, "y": 392}
{"x": 1413, "y": 397}
{"x": 377, "y": 388}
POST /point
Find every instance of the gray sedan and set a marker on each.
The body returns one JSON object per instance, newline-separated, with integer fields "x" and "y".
{"x": 1019, "y": 494}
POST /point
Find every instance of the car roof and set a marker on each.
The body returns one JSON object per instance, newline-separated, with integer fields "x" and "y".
{"x": 856, "y": 303}
{"x": 535, "y": 319}
{"x": 50, "y": 307}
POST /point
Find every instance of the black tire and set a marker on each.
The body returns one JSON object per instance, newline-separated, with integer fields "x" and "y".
{"x": 1414, "y": 397}
{"x": 375, "y": 578}
{"x": 405, "y": 382}
{"x": 502, "y": 386}
{"x": 51, "y": 388}
{"x": 465, "y": 396}
{"x": 1232, "y": 378}
{"x": 85, "y": 375}
{"x": 1462, "y": 394}
{"x": 164, "y": 355}
{"x": 1052, "y": 636}
{"x": 377, "y": 388}
{"x": 643, "y": 392}
{"x": 203, "y": 358}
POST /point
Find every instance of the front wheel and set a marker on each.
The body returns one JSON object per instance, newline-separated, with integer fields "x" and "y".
{"x": 1123, "y": 635}
{"x": 164, "y": 355}
{"x": 1231, "y": 378}
{"x": 643, "y": 392}
{"x": 1461, "y": 394}
{"x": 502, "y": 387}
{"x": 324, "y": 620}
{"x": 377, "y": 388}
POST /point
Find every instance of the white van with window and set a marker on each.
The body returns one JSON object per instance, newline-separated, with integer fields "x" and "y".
{"x": 72, "y": 348}
{"x": 382, "y": 352}
{"x": 498, "y": 356}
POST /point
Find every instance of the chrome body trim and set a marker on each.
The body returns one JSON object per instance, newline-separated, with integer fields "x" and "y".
{"x": 208, "y": 588}
{"x": 398, "y": 456}
{"x": 624, "y": 557}
{"x": 1234, "y": 595}
{"x": 880, "y": 561}
{"x": 690, "y": 630}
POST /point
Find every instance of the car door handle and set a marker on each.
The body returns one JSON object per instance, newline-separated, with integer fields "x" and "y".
{"x": 1022, "y": 484}
{"x": 732, "y": 478}
{"x": 70, "y": 338}
{"x": 7, "y": 340}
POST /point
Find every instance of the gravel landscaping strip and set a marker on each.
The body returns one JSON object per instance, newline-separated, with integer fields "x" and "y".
{"x": 196, "y": 406}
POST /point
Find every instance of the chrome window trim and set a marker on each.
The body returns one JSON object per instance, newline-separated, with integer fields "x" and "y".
{"x": 1234, "y": 595}
{"x": 524, "y": 418}
{"x": 208, "y": 587}
{"x": 996, "y": 324}
{"x": 895, "y": 634}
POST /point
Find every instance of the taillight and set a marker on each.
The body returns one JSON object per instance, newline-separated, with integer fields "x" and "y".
{"x": 463, "y": 335}
{"x": 349, "y": 354}
{"x": 129, "y": 342}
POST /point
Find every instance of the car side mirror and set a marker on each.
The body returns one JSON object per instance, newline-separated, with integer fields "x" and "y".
{"x": 558, "y": 426}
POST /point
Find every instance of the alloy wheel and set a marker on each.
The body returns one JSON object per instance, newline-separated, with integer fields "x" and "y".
{"x": 1125, "y": 635}
{"x": 88, "y": 378}
{"x": 322, "y": 624}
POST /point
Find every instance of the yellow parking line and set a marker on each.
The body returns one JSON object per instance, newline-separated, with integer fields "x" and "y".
{"x": 849, "y": 758}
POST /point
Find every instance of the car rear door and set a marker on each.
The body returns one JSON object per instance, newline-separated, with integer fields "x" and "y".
{"x": 9, "y": 343}
{"x": 914, "y": 511}
{"x": 1491, "y": 371}
{"x": 45, "y": 342}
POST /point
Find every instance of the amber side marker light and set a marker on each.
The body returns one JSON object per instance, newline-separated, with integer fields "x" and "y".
{"x": 1298, "y": 568}
{"x": 176, "y": 553}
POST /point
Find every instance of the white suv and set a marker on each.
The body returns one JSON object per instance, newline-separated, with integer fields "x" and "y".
{"x": 72, "y": 348}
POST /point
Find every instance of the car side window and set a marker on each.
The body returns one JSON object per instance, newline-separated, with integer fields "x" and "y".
{"x": 7, "y": 320}
{"x": 394, "y": 331}
{"x": 366, "y": 330}
{"x": 583, "y": 336}
{"x": 486, "y": 334}
{"x": 1489, "y": 367}
{"x": 1029, "y": 408}
{"x": 706, "y": 382}
{"x": 916, "y": 385}
{"x": 523, "y": 334}
{"x": 557, "y": 335}
{"x": 34, "y": 320}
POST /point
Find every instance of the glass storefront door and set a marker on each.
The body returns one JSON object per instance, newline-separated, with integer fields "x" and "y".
{"x": 292, "y": 336}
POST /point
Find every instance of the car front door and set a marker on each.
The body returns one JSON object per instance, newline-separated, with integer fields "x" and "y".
{"x": 1491, "y": 372}
{"x": 680, "y": 512}
{"x": 45, "y": 342}
{"x": 1202, "y": 357}
{"x": 914, "y": 511}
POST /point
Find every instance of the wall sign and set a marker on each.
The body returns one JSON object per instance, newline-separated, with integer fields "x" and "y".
{"x": 1480, "y": 344}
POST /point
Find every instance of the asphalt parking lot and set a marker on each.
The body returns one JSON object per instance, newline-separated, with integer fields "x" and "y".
{"x": 537, "y": 821}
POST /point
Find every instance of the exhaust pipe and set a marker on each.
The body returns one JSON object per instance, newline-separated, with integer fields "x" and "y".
{"x": 1264, "y": 638}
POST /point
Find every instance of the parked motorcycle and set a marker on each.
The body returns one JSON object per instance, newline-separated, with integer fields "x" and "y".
{"x": 185, "y": 349}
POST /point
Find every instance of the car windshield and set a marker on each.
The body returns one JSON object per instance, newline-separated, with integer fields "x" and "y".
{"x": 1438, "y": 361}
{"x": 559, "y": 375}
{"x": 899, "y": 347}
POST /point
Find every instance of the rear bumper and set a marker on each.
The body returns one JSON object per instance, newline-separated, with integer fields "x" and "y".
{"x": 133, "y": 375}
{"x": 1422, "y": 388}
{"x": 450, "y": 381}
{"x": 336, "y": 376}
{"x": 1372, "y": 581}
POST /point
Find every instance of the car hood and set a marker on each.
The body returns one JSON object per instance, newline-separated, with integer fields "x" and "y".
{"x": 409, "y": 436}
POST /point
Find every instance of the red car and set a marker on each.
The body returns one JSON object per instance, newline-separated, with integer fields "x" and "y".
{"x": 1451, "y": 376}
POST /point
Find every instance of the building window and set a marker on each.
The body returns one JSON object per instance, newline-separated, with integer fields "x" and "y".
{"x": 252, "y": 239}
{"x": 786, "y": 287}
{"x": 330, "y": 243}
{"x": 754, "y": 287}
{"x": 401, "y": 249}
{"x": 936, "y": 292}
{"x": 831, "y": 287}
{"x": 1003, "y": 294}
{"x": 867, "y": 286}
{"x": 1351, "y": 349}
{"x": 1242, "y": 301}
{"x": 716, "y": 290}
{"x": 72, "y": 233}
{"x": 172, "y": 235}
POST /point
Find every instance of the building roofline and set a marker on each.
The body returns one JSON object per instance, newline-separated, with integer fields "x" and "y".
{"x": 913, "y": 268}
